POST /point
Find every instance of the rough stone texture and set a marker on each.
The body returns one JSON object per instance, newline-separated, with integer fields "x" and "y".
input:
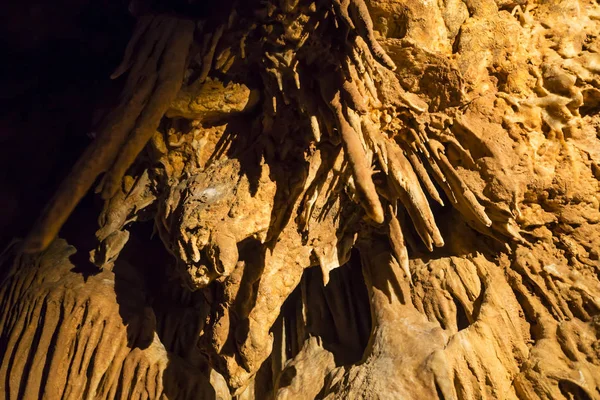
{"x": 384, "y": 199}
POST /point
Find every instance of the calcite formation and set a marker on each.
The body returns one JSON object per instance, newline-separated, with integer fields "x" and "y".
{"x": 361, "y": 199}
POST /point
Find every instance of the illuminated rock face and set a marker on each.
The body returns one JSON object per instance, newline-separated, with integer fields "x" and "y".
{"x": 384, "y": 199}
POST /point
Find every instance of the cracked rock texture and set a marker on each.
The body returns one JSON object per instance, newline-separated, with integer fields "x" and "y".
{"x": 352, "y": 199}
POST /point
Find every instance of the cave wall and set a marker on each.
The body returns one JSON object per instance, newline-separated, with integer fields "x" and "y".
{"x": 331, "y": 199}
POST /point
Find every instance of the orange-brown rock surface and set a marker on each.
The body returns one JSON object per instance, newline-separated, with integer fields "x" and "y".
{"x": 361, "y": 200}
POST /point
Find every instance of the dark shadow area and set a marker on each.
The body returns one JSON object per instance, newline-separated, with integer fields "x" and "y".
{"x": 251, "y": 262}
{"x": 79, "y": 230}
{"x": 338, "y": 313}
{"x": 462, "y": 318}
{"x": 56, "y": 87}
{"x": 153, "y": 301}
{"x": 572, "y": 391}
{"x": 58, "y": 58}
{"x": 591, "y": 101}
{"x": 438, "y": 391}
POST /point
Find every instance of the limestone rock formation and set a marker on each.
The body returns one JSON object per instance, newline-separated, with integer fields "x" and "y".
{"x": 359, "y": 200}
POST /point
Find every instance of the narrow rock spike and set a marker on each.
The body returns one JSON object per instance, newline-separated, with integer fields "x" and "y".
{"x": 397, "y": 242}
{"x": 405, "y": 182}
{"x": 466, "y": 200}
{"x": 361, "y": 170}
{"x": 341, "y": 8}
{"x": 367, "y": 24}
{"x": 421, "y": 172}
{"x": 170, "y": 78}
{"x": 140, "y": 30}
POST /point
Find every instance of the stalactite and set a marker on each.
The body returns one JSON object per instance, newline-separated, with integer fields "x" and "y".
{"x": 361, "y": 170}
{"x": 407, "y": 187}
{"x": 397, "y": 243}
{"x": 169, "y": 79}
